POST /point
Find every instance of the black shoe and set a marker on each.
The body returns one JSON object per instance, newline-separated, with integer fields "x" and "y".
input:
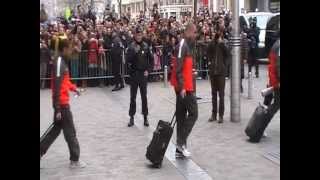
{"x": 212, "y": 118}
{"x": 131, "y": 123}
{"x": 198, "y": 98}
{"x": 121, "y": 86}
{"x": 220, "y": 119}
{"x": 146, "y": 122}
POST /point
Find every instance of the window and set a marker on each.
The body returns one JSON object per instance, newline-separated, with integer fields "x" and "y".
{"x": 262, "y": 21}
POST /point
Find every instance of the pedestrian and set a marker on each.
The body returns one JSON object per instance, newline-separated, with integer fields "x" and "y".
{"x": 274, "y": 79}
{"x": 218, "y": 55}
{"x": 244, "y": 56}
{"x": 140, "y": 62}
{"x": 253, "y": 35}
{"x": 116, "y": 58}
{"x": 63, "y": 119}
{"x": 183, "y": 81}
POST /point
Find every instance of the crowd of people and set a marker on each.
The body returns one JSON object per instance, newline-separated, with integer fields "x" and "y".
{"x": 97, "y": 46}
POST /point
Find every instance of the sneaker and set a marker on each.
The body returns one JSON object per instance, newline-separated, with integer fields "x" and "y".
{"x": 212, "y": 118}
{"x": 265, "y": 135}
{"x": 179, "y": 154}
{"x": 77, "y": 164}
{"x": 184, "y": 151}
{"x": 131, "y": 122}
{"x": 220, "y": 119}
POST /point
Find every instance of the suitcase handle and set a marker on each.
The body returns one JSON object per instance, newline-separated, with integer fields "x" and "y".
{"x": 173, "y": 119}
{"x": 46, "y": 132}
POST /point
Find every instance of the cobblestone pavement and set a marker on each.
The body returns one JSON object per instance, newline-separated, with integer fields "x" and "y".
{"x": 114, "y": 151}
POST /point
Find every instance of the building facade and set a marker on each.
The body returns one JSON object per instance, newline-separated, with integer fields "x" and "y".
{"x": 175, "y": 8}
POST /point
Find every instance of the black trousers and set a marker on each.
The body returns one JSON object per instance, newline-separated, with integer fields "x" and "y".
{"x": 116, "y": 73}
{"x": 66, "y": 124}
{"x": 138, "y": 80}
{"x": 217, "y": 86}
{"x": 187, "y": 114}
{"x": 275, "y": 106}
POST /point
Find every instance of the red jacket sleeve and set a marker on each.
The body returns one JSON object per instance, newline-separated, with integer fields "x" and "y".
{"x": 72, "y": 87}
{"x": 273, "y": 81}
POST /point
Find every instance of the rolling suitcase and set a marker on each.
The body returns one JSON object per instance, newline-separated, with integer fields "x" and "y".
{"x": 46, "y": 133}
{"x": 257, "y": 124}
{"x": 160, "y": 140}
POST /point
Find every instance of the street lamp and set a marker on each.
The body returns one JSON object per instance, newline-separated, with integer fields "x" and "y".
{"x": 235, "y": 75}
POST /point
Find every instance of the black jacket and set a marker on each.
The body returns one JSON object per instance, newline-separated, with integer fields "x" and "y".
{"x": 45, "y": 55}
{"x": 116, "y": 49}
{"x": 107, "y": 41}
{"x": 139, "y": 57}
{"x": 219, "y": 56}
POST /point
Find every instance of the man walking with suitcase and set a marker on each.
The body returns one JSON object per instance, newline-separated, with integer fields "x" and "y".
{"x": 274, "y": 79}
{"x": 62, "y": 115}
{"x": 140, "y": 62}
{"x": 183, "y": 81}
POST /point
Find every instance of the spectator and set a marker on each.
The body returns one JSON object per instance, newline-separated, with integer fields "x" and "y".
{"x": 45, "y": 58}
{"x": 93, "y": 57}
{"x": 116, "y": 59}
{"x": 101, "y": 60}
{"x": 43, "y": 14}
{"x": 75, "y": 58}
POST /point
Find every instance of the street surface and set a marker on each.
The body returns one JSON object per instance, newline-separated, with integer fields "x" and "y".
{"x": 114, "y": 151}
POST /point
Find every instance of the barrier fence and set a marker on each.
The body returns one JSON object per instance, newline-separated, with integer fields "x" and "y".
{"x": 92, "y": 65}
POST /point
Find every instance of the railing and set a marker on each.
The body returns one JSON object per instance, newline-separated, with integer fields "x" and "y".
{"x": 86, "y": 66}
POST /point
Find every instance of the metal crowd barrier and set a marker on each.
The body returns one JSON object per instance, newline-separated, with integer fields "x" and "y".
{"x": 82, "y": 67}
